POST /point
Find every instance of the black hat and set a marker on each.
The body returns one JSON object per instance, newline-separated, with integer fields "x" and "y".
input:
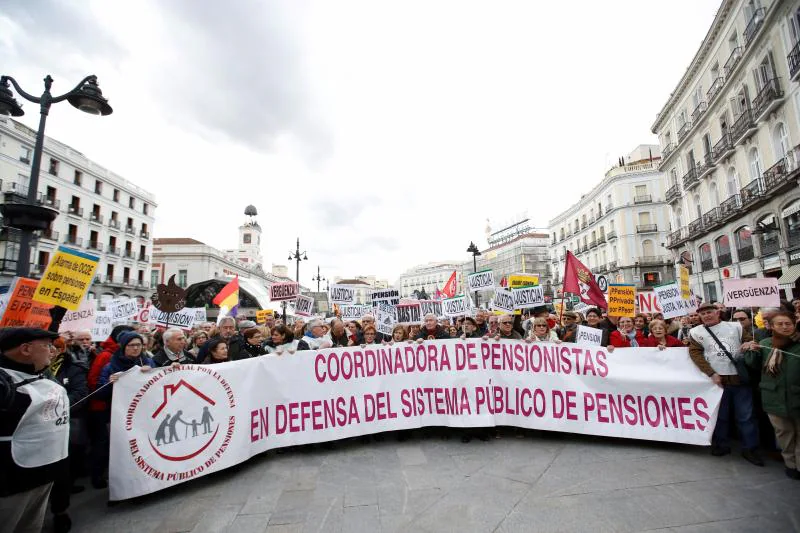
{"x": 12, "y": 337}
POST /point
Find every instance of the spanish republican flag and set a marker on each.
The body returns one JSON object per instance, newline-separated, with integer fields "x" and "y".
{"x": 228, "y": 299}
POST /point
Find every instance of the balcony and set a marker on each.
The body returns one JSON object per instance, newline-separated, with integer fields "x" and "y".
{"x": 751, "y": 193}
{"x": 97, "y": 218}
{"x": 767, "y": 99}
{"x": 745, "y": 253}
{"x": 49, "y": 235}
{"x": 50, "y": 202}
{"x": 643, "y": 199}
{"x": 756, "y": 21}
{"x": 711, "y": 218}
{"x": 130, "y": 230}
{"x": 704, "y": 170}
{"x": 743, "y": 127}
{"x": 112, "y": 250}
{"x": 646, "y": 228}
{"x": 667, "y": 150}
{"x": 724, "y": 259}
{"x": 698, "y": 112}
{"x": 562, "y": 256}
{"x": 673, "y": 193}
{"x": 650, "y": 260}
{"x": 611, "y": 235}
{"x": 715, "y": 88}
{"x": 675, "y": 238}
{"x": 723, "y": 148}
{"x": 94, "y": 245}
{"x": 145, "y": 235}
{"x": 794, "y": 62}
{"x": 708, "y": 158}
{"x": 593, "y": 243}
{"x": 729, "y": 207}
{"x": 601, "y": 240}
{"x": 73, "y": 240}
{"x": 599, "y": 269}
{"x": 75, "y": 211}
{"x": 684, "y": 130}
{"x": 128, "y": 254}
{"x": 707, "y": 264}
{"x": 695, "y": 228}
{"x": 583, "y": 225}
{"x": 113, "y": 224}
{"x": 690, "y": 178}
{"x": 776, "y": 176}
{"x": 733, "y": 60}
{"x": 144, "y": 258}
{"x": 612, "y": 265}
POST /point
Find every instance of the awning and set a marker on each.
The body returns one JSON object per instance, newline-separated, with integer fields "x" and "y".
{"x": 788, "y": 279}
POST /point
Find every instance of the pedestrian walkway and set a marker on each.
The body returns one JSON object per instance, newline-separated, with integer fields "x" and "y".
{"x": 549, "y": 482}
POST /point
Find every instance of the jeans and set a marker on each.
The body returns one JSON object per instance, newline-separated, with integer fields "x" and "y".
{"x": 742, "y": 398}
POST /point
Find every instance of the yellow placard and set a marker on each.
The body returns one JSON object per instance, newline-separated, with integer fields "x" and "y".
{"x": 517, "y": 281}
{"x": 622, "y": 300}
{"x": 262, "y": 315}
{"x": 67, "y": 278}
{"x": 683, "y": 281}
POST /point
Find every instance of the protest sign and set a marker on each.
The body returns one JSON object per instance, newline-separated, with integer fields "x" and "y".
{"x": 341, "y": 294}
{"x": 683, "y": 282}
{"x": 122, "y": 310}
{"x": 354, "y": 312}
{"x": 480, "y": 281}
{"x": 391, "y": 296}
{"x": 516, "y": 281}
{"x": 431, "y": 307}
{"x": 386, "y": 307}
{"x": 262, "y": 315}
{"x": 647, "y": 302}
{"x": 671, "y": 301}
{"x": 503, "y": 300}
{"x": 588, "y": 335}
{"x": 200, "y": 316}
{"x": 751, "y": 292}
{"x": 580, "y": 307}
{"x": 244, "y": 408}
{"x": 102, "y": 327}
{"x": 143, "y": 316}
{"x": 66, "y": 278}
{"x": 284, "y": 291}
{"x": 384, "y": 321}
{"x": 81, "y": 319}
{"x": 527, "y": 297}
{"x": 622, "y": 300}
{"x": 409, "y": 313}
{"x": 304, "y": 306}
{"x": 183, "y": 319}
{"x": 21, "y": 310}
{"x": 454, "y": 306}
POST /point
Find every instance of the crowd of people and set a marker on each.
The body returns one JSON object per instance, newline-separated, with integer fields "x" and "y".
{"x": 757, "y": 367}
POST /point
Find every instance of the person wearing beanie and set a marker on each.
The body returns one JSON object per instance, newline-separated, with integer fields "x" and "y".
{"x": 129, "y": 354}
{"x": 97, "y": 418}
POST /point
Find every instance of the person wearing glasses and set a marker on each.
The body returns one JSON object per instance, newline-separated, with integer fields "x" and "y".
{"x": 743, "y": 317}
{"x": 541, "y": 332}
{"x": 34, "y": 427}
{"x": 505, "y": 328}
{"x": 432, "y": 330}
{"x": 129, "y": 354}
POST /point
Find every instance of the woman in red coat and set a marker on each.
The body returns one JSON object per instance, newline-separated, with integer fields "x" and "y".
{"x": 626, "y": 336}
{"x": 658, "y": 336}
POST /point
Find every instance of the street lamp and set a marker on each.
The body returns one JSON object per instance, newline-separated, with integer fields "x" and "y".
{"x": 295, "y": 256}
{"x": 475, "y": 253}
{"x": 318, "y": 278}
{"x": 29, "y": 216}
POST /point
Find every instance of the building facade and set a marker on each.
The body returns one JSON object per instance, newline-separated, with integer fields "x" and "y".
{"x": 618, "y": 228}
{"x": 730, "y": 134}
{"x": 99, "y": 213}
{"x": 428, "y": 278}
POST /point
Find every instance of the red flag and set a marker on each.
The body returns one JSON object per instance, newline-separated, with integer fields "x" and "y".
{"x": 579, "y": 280}
{"x": 449, "y": 289}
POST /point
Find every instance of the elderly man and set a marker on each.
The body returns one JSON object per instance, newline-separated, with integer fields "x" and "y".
{"x": 481, "y": 326}
{"x": 82, "y": 348}
{"x": 431, "y": 329}
{"x": 369, "y": 320}
{"x": 174, "y": 350}
{"x": 227, "y": 333}
{"x": 506, "y": 328}
{"x": 314, "y": 338}
{"x": 714, "y": 347}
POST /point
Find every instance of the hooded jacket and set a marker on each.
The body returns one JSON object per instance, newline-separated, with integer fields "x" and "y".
{"x": 109, "y": 346}
{"x": 120, "y": 363}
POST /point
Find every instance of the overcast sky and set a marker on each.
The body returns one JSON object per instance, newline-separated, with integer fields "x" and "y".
{"x": 383, "y": 134}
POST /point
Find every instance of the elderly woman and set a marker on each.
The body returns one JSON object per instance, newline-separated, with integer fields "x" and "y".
{"x": 254, "y": 342}
{"x": 659, "y": 337}
{"x": 626, "y": 335}
{"x": 198, "y": 340}
{"x": 640, "y": 322}
{"x": 370, "y": 334}
{"x": 541, "y": 332}
{"x": 281, "y": 341}
{"x": 217, "y": 352}
{"x": 778, "y": 357}
{"x": 399, "y": 333}
{"x": 128, "y": 355}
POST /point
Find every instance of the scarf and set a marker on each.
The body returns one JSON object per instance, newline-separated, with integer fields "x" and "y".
{"x": 632, "y": 338}
{"x": 775, "y": 360}
{"x": 55, "y": 364}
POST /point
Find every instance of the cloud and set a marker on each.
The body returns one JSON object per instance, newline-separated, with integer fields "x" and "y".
{"x": 240, "y": 73}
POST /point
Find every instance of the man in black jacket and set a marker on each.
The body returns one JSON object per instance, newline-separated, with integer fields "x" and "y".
{"x": 227, "y": 332}
{"x": 174, "y": 349}
{"x": 432, "y": 330}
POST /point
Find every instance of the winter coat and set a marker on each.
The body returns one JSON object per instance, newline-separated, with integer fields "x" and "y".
{"x": 109, "y": 346}
{"x": 235, "y": 349}
{"x": 253, "y": 350}
{"x": 780, "y": 394}
{"x": 620, "y": 340}
{"x": 672, "y": 342}
{"x": 119, "y": 363}
{"x": 438, "y": 333}
{"x": 162, "y": 359}
{"x": 72, "y": 375}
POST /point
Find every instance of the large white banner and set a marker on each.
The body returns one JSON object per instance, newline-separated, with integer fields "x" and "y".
{"x": 171, "y": 425}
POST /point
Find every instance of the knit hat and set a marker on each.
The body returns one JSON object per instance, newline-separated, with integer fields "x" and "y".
{"x": 115, "y": 333}
{"x": 126, "y": 337}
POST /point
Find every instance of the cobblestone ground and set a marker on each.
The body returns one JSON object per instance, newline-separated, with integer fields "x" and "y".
{"x": 544, "y": 482}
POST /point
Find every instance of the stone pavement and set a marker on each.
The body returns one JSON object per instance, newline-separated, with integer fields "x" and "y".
{"x": 545, "y": 482}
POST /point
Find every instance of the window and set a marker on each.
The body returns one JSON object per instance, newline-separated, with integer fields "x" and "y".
{"x": 698, "y": 206}
{"x": 246, "y": 238}
{"x": 154, "y": 274}
{"x": 140, "y": 277}
{"x": 710, "y": 291}
{"x": 780, "y": 141}
{"x": 706, "y": 260}
{"x": 678, "y": 218}
{"x": 132, "y": 202}
{"x": 98, "y": 187}
{"x": 44, "y": 260}
{"x": 673, "y": 177}
{"x": 755, "y": 164}
{"x": 183, "y": 278}
{"x": 96, "y": 213}
{"x": 723, "y": 246}
{"x": 25, "y": 154}
{"x": 713, "y": 194}
{"x": 744, "y": 243}
{"x": 94, "y": 237}
{"x": 109, "y": 273}
{"x": 648, "y": 248}
{"x": 732, "y": 181}
{"x": 142, "y": 253}
{"x": 126, "y": 275}
{"x": 145, "y": 208}
{"x": 116, "y": 195}
{"x": 791, "y": 220}
{"x": 769, "y": 239}
{"x": 54, "y": 167}
{"x": 644, "y": 218}
{"x": 651, "y": 279}
{"x": 51, "y": 195}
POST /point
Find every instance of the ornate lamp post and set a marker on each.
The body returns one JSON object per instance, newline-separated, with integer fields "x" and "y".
{"x": 475, "y": 253}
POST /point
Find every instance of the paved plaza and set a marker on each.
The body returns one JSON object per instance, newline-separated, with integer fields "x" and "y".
{"x": 546, "y": 482}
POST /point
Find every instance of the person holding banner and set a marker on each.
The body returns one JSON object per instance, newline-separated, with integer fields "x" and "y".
{"x": 198, "y": 340}
{"x": 778, "y": 361}
{"x": 594, "y": 319}
{"x": 716, "y": 349}
{"x": 369, "y": 336}
{"x": 432, "y": 329}
{"x": 569, "y": 327}
{"x": 541, "y": 332}
{"x": 470, "y": 328}
{"x": 659, "y": 338}
{"x": 281, "y": 341}
{"x": 506, "y": 328}
{"x": 314, "y": 338}
{"x": 174, "y": 349}
{"x": 399, "y": 333}
{"x": 253, "y": 342}
{"x": 626, "y": 335}
{"x": 129, "y": 354}
{"x": 217, "y": 352}
{"x": 227, "y": 332}
{"x": 338, "y": 334}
